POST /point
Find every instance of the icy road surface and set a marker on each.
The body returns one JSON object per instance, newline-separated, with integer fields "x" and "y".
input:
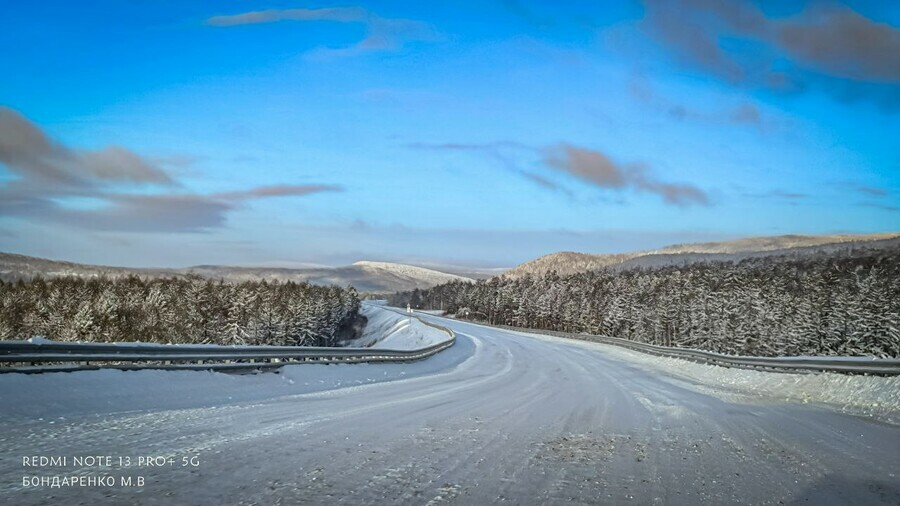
{"x": 500, "y": 418}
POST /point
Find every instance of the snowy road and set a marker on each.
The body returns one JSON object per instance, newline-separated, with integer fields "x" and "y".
{"x": 505, "y": 419}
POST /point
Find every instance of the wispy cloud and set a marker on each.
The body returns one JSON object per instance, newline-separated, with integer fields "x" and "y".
{"x": 172, "y": 212}
{"x": 599, "y": 170}
{"x": 747, "y": 114}
{"x": 282, "y": 190}
{"x": 854, "y": 188}
{"x": 587, "y": 165}
{"x": 881, "y": 207}
{"x": 842, "y": 43}
{"x": 340, "y": 14}
{"x": 505, "y": 153}
{"x": 467, "y": 146}
{"x": 744, "y": 113}
{"x": 530, "y": 16}
{"x": 777, "y": 194}
{"x": 32, "y": 155}
{"x": 788, "y": 195}
{"x": 872, "y": 191}
{"x": 146, "y": 213}
{"x": 824, "y": 46}
{"x": 545, "y": 182}
{"x": 382, "y": 34}
{"x": 50, "y": 176}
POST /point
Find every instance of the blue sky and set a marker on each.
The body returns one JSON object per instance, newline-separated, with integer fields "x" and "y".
{"x": 471, "y": 133}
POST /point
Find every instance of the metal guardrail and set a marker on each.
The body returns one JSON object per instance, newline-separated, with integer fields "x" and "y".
{"x": 24, "y": 357}
{"x": 845, "y": 365}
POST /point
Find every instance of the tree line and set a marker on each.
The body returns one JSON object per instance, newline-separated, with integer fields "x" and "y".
{"x": 188, "y": 310}
{"x": 835, "y": 305}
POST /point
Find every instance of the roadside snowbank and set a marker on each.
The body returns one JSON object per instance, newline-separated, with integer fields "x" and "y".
{"x": 387, "y": 329}
{"x": 875, "y": 396}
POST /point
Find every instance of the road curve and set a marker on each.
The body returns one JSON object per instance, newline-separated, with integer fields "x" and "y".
{"x": 519, "y": 421}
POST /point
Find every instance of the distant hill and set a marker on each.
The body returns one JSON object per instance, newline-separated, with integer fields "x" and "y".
{"x": 465, "y": 271}
{"x": 372, "y": 277}
{"x": 773, "y": 243}
{"x": 567, "y": 262}
{"x": 683, "y": 254}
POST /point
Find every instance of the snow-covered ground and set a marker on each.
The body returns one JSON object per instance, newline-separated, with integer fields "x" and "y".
{"x": 876, "y": 396}
{"x": 434, "y": 312}
{"x": 499, "y": 418}
{"x": 388, "y": 329}
{"x": 57, "y": 396}
{"x": 420, "y": 276}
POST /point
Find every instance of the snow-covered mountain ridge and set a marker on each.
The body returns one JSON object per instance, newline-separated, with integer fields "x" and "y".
{"x": 410, "y": 272}
{"x": 568, "y": 262}
{"x": 373, "y": 277}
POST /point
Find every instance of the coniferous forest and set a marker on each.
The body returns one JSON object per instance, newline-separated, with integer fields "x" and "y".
{"x": 188, "y": 310}
{"x": 847, "y": 305}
